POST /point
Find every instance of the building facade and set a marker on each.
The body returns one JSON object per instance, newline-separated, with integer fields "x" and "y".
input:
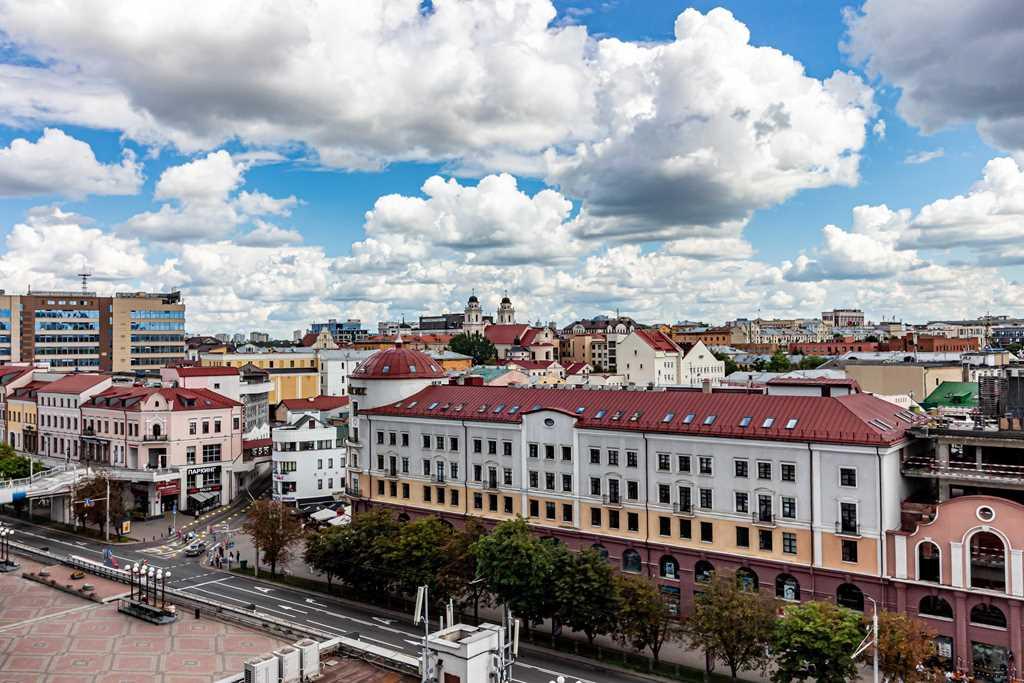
{"x": 59, "y": 410}
{"x": 294, "y": 373}
{"x": 308, "y": 461}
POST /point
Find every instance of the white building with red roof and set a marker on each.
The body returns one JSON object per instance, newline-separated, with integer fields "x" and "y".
{"x": 650, "y": 357}
{"x": 58, "y": 405}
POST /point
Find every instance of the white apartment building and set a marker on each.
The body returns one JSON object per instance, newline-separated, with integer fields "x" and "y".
{"x": 700, "y": 364}
{"x": 651, "y": 357}
{"x": 59, "y": 410}
{"x": 336, "y": 365}
{"x": 308, "y": 462}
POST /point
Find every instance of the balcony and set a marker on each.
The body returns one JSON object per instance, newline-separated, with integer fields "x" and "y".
{"x": 147, "y": 438}
{"x": 762, "y": 519}
{"x": 612, "y": 499}
{"x": 685, "y": 509}
{"x": 987, "y": 472}
{"x": 848, "y": 528}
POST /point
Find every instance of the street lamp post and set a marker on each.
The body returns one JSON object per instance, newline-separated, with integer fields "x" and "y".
{"x": 871, "y": 640}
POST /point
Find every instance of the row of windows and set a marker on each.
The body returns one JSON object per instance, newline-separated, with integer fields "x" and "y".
{"x": 60, "y": 313}
{"x": 157, "y": 314}
{"x": 315, "y": 445}
{"x": 156, "y": 326}
{"x": 158, "y": 338}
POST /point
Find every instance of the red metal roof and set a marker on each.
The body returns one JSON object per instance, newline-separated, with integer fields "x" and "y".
{"x": 815, "y": 381}
{"x": 132, "y": 398}
{"x": 74, "y": 384}
{"x": 317, "y": 403}
{"x": 659, "y": 341}
{"x": 398, "y": 363}
{"x": 853, "y": 419}
{"x": 531, "y": 364}
{"x": 205, "y": 371}
{"x": 29, "y": 391}
{"x": 506, "y": 334}
{"x": 574, "y": 368}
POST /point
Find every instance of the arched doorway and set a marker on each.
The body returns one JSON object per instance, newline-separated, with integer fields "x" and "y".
{"x": 988, "y": 562}
{"x": 156, "y": 429}
{"x": 787, "y": 587}
{"x": 851, "y": 597}
{"x": 928, "y": 562}
{"x": 934, "y": 606}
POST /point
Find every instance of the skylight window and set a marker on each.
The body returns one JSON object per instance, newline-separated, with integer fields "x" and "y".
{"x": 635, "y": 416}
{"x": 745, "y": 422}
{"x": 398, "y": 405}
{"x": 412, "y": 368}
{"x": 412, "y": 404}
{"x": 689, "y": 418}
{"x": 768, "y": 422}
{"x": 581, "y": 410}
{"x": 513, "y": 410}
{"x": 668, "y": 417}
{"x": 600, "y": 413}
{"x": 791, "y": 423}
{"x": 458, "y": 407}
{"x": 432, "y": 405}
{"x": 710, "y": 419}
{"x": 386, "y": 369}
{"x": 482, "y": 408}
{"x": 617, "y": 415}
{"x": 536, "y": 406}
{"x": 498, "y": 408}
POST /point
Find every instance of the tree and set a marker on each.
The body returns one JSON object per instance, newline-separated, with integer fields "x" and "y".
{"x": 417, "y": 554}
{"x": 517, "y": 569}
{"x": 274, "y": 530}
{"x": 460, "y": 571}
{"x": 645, "y": 620}
{"x": 95, "y": 489}
{"x": 14, "y": 466}
{"x": 872, "y": 338}
{"x": 730, "y": 364}
{"x": 904, "y": 645}
{"x": 732, "y": 625}
{"x": 587, "y": 595}
{"x": 364, "y": 546}
{"x": 779, "y": 362}
{"x": 322, "y": 553}
{"x": 475, "y": 345}
{"x": 811, "y": 362}
{"x": 814, "y": 641}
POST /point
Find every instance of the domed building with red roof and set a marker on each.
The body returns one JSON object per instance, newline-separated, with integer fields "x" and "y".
{"x": 392, "y": 374}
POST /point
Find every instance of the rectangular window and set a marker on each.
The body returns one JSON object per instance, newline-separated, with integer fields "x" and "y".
{"x": 740, "y": 468}
{"x": 549, "y": 451}
{"x": 477, "y": 472}
{"x": 613, "y": 519}
{"x": 633, "y": 521}
{"x": 848, "y": 517}
{"x": 685, "y": 529}
{"x": 392, "y": 438}
{"x": 380, "y": 487}
{"x": 549, "y": 510}
{"x": 191, "y": 427}
{"x": 764, "y": 470}
{"x": 705, "y": 464}
{"x": 478, "y": 501}
{"x": 533, "y": 450}
{"x": 664, "y": 494}
{"x": 788, "y": 507}
{"x": 764, "y": 539}
{"x": 631, "y": 459}
{"x": 595, "y": 456}
{"x": 788, "y": 471}
{"x": 742, "y": 537}
{"x": 613, "y": 458}
{"x": 848, "y": 477}
{"x": 507, "y": 500}
{"x": 632, "y": 490}
{"x": 684, "y": 463}
{"x": 789, "y": 542}
{"x": 492, "y": 502}
{"x": 706, "y": 499}
{"x": 190, "y": 455}
{"x": 405, "y": 438}
{"x": 507, "y": 476}
{"x": 595, "y": 486}
{"x": 455, "y": 470}
{"x": 567, "y": 512}
{"x": 707, "y": 534}
{"x": 664, "y": 462}
{"x": 405, "y": 490}
{"x": 534, "y": 479}
{"x": 440, "y": 495}
{"x": 455, "y": 496}
{"x": 665, "y": 526}
{"x": 426, "y": 441}
{"x": 534, "y": 508}
{"x": 426, "y": 467}
{"x": 549, "y": 481}
{"x": 216, "y": 426}
{"x": 478, "y": 446}
{"x": 742, "y": 502}
{"x": 211, "y": 452}
{"x": 492, "y": 447}
{"x": 427, "y": 491}
{"x": 849, "y": 550}
{"x": 453, "y": 443}
{"x": 595, "y": 517}
{"x": 567, "y": 453}
{"x": 506, "y": 448}
{"x": 567, "y": 483}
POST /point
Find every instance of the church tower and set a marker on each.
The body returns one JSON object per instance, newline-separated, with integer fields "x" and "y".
{"x": 506, "y": 314}
{"x": 474, "y": 320}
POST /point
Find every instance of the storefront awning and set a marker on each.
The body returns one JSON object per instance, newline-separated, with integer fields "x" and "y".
{"x": 340, "y": 520}
{"x": 203, "y": 498}
{"x": 323, "y": 515}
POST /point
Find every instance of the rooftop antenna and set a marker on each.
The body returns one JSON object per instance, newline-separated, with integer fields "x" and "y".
{"x": 85, "y": 275}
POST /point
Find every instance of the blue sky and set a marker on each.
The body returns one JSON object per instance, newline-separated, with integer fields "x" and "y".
{"x": 591, "y": 123}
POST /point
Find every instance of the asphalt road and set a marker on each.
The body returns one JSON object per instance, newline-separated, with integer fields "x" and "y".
{"x": 321, "y": 612}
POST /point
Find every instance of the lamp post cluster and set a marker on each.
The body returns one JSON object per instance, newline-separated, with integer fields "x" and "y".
{"x": 148, "y": 584}
{"x": 5, "y": 546}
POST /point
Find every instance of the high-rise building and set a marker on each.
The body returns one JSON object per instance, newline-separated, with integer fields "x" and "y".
{"x": 69, "y": 330}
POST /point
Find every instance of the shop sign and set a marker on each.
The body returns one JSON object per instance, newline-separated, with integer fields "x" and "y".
{"x": 168, "y": 488}
{"x": 203, "y": 489}
{"x": 126, "y": 527}
{"x": 204, "y": 470}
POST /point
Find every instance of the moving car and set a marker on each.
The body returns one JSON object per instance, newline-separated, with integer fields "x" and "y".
{"x": 196, "y": 549}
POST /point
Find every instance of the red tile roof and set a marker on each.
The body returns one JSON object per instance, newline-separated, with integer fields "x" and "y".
{"x": 853, "y": 419}
{"x": 659, "y": 341}
{"x": 205, "y": 371}
{"x": 574, "y": 368}
{"x": 131, "y": 398}
{"x": 309, "y": 339}
{"x": 398, "y": 363}
{"x": 317, "y": 403}
{"x": 29, "y": 391}
{"x": 74, "y": 384}
{"x": 506, "y": 334}
{"x": 816, "y": 381}
{"x": 531, "y": 364}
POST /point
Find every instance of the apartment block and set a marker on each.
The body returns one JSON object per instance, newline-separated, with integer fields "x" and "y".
{"x": 293, "y": 372}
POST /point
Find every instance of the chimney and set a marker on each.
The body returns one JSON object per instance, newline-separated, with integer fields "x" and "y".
{"x": 705, "y": 386}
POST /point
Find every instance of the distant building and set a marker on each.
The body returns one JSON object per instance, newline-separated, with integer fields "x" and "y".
{"x": 651, "y": 357}
{"x": 344, "y": 332}
{"x": 296, "y": 335}
{"x": 843, "y": 317}
{"x": 258, "y": 337}
{"x": 308, "y": 461}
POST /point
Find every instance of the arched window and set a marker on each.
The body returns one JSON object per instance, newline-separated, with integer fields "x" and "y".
{"x": 747, "y": 579}
{"x": 934, "y": 606}
{"x": 850, "y": 596}
{"x": 668, "y": 567}
{"x": 403, "y": 518}
{"x": 600, "y": 550}
{"x": 702, "y": 571}
{"x": 928, "y": 562}
{"x": 988, "y": 562}
{"x": 787, "y": 587}
{"x": 988, "y": 615}
{"x": 631, "y": 561}
{"x": 156, "y": 429}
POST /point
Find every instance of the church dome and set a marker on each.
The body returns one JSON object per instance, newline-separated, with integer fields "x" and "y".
{"x": 506, "y": 300}
{"x": 473, "y": 299}
{"x": 399, "y": 363}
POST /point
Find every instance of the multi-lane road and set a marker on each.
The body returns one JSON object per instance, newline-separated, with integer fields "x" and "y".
{"x": 319, "y": 611}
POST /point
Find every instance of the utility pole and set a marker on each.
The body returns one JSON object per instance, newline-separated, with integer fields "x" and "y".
{"x": 870, "y": 640}
{"x": 106, "y": 514}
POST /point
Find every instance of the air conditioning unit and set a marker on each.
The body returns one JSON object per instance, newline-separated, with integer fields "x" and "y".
{"x": 288, "y": 664}
{"x": 309, "y": 658}
{"x": 261, "y": 670}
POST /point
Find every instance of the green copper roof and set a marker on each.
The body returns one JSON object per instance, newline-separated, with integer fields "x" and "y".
{"x": 952, "y": 395}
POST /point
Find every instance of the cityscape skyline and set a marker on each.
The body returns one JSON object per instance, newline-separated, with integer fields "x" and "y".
{"x": 832, "y": 174}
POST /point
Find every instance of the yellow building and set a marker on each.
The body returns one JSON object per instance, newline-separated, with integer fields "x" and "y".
{"x": 21, "y": 422}
{"x": 294, "y": 374}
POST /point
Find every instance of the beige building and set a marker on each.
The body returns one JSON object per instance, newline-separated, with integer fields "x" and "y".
{"x": 294, "y": 373}
{"x": 914, "y": 379}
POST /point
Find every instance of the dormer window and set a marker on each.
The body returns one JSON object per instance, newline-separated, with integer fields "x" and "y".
{"x": 412, "y": 404}
{"x": 599, "y": 414}
{"x": 432, "y": 405}
{"x": 616, "y": 415}
{"x": 635, "y": 416}
{"x": 581, "y": 410}
{"x": 498, "y": 408}
{"x": 412, "y": 368}
{"x": 482, "y": 408}
{"x": 385, "y": 370}
{"x": 513, "y": 410}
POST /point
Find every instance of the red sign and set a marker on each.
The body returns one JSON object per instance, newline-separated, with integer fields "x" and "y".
{"x": 168, "y": 488}
{"x": 204, "y": 489}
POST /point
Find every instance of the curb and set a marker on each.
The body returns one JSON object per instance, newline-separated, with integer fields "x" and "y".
{"x": 584, "y": 662}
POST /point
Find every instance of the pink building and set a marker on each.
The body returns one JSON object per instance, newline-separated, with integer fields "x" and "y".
{"x": 177, "y": 447}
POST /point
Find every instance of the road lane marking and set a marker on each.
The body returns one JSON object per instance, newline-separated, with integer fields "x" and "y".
{"x": 257, "y": 613}
{"x": 330, "y": 629}
{"x": 292, "y": 609}
{"x": 553, "y": 673}
{"x": 197, "y": 585}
